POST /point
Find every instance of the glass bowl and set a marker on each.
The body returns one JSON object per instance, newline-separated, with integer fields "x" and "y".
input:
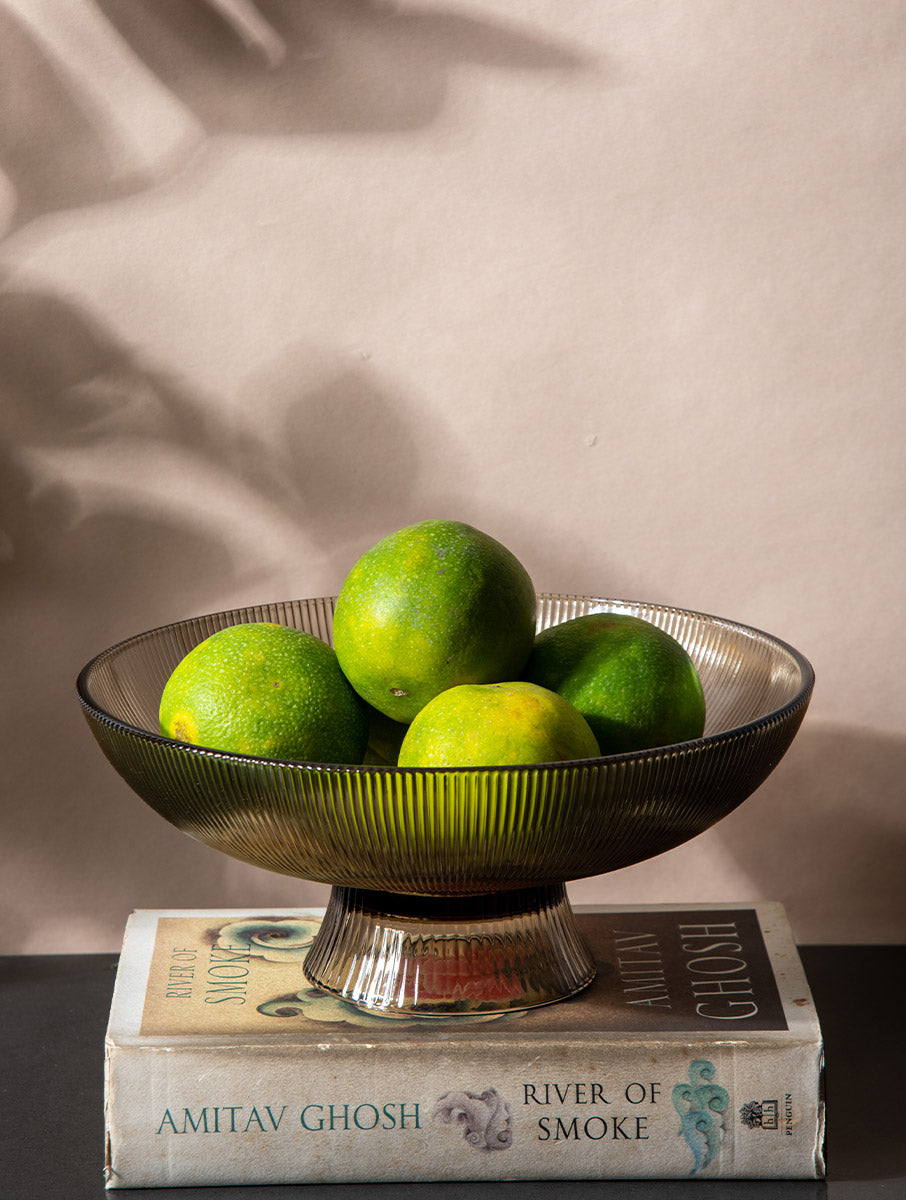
{"x": 448, "y": 885}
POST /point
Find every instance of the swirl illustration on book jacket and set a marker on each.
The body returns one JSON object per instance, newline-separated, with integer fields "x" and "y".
{"x": 701, "y": 1104}
{"x": 275, "y": 939}
{"x": 485, "y": 1118}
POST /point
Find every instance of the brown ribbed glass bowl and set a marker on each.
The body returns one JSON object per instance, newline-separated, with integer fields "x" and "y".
{"x": 451, "y": 861}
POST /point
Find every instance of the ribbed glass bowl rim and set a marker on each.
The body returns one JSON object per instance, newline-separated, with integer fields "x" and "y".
{"x": 773, "y": 717}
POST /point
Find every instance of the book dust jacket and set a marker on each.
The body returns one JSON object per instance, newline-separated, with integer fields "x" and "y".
{"x": 695, "y": 1053}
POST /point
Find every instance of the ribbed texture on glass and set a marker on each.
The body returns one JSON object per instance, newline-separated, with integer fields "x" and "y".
{"x": 490, "y": 955}
{"x": 454, "y": 832}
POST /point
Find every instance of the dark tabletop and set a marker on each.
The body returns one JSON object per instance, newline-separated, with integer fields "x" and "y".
{"x": 53, "y": 1014}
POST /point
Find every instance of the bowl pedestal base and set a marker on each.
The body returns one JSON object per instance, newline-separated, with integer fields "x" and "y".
{"x": 401, "y": 955}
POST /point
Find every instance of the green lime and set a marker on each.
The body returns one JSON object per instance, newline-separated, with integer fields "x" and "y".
{"x": 635, "y": 685}
{"x": 267, "y": 690}
{"x": 428, "y": 607}
{"x": 496, "y": 724}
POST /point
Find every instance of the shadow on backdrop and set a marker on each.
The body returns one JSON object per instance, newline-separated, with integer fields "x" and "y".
{"x": 348, "y": 65}
{"x": 73, "y": 133}
{"x": 106, "y": 531}
{"x": 128, "y": 500}
{"x": 100, "y": 539}
{"x": 359, "y": 468}
{"x": 821, "y": 835}
{"x": 92, "y": 431}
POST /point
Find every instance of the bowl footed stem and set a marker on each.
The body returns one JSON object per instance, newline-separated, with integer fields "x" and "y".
{"x": 439, "y": 956}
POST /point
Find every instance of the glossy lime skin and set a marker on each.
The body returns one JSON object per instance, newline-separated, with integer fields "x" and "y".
{"x": 429, "y": 607}
{"x": 635, "y": 685}
{"x": 495, "y": 725}
{"x": 267, "y": 690}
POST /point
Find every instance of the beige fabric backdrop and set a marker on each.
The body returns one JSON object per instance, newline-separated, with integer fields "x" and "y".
{"x": 623, "y": 284}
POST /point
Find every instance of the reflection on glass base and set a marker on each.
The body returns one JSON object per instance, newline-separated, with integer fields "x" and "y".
{"x": 439, "y": 956}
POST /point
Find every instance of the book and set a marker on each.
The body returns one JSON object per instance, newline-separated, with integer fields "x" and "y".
{"x": 695, "y": 1053}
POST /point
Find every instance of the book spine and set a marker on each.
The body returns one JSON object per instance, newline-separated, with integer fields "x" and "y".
{"x": 285, "y": 1113}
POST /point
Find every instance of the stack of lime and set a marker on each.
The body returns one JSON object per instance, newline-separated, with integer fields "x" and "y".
{"x": 436, "y": 663}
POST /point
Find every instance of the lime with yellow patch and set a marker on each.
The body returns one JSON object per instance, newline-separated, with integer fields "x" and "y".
{"x": 266, "y": 690}
{"x": 495, "y": 725}
{"x": 637, "y": 687}
{"x": 429, "y": 607}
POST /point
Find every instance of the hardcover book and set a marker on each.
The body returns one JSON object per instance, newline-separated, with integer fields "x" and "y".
{"x": 696, "y": 1052}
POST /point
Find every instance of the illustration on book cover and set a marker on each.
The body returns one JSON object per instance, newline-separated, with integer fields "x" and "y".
{"x": 656, "y": 972}
{"x": 206, "y": 974}
{"x": 693, "y": 1053}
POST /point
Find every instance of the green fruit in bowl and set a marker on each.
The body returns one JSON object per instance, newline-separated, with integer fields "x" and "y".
{"x": 636, "y": 685}
{"x": 267, "y": 690}
{"x": 496, "y": 724}
{"x": 429, "y": 607}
